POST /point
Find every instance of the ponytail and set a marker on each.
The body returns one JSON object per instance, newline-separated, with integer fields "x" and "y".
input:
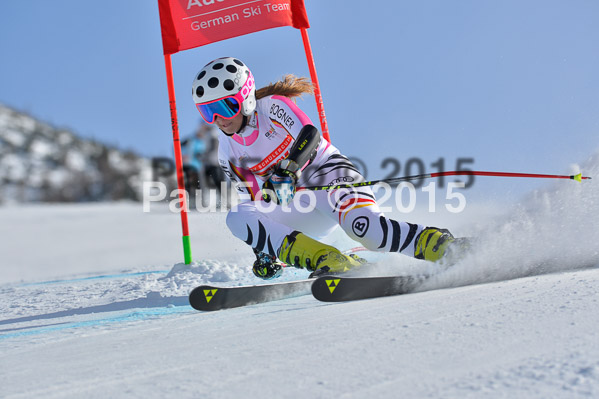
{"x": 289, "y": 86}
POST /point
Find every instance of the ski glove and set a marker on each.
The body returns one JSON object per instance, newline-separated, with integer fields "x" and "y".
{"x": 266, "y": 266}
{"x": 267, "y": 272}
{"x": 280, "y": 187}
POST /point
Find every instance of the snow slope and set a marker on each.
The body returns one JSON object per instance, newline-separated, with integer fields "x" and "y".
{"x": 92, "y": 306}
{"x": 534, "y": 337}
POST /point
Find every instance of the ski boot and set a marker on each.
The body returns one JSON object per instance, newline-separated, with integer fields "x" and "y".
{"x": 439, "y": 245}
{"x": 266, "y": 266}
{"x": 302, "y": 251}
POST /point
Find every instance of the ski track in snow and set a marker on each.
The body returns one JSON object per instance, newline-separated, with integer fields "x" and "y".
{"x": 516, "y": 318}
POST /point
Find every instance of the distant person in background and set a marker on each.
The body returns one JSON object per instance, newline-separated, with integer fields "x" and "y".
{"x": 200, "y": 159}
{"x": 192, "y": 150}
{"x": 212, "y": 170}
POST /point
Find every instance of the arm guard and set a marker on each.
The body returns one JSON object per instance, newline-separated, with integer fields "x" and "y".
{"x": 305, "y": 146}
{"x": 287, "y": 171}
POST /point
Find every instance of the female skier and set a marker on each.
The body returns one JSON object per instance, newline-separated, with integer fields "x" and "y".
{"x": 267, "y": 138}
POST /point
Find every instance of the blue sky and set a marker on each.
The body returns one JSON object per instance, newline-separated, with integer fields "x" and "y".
{"x": 512, "y": 84}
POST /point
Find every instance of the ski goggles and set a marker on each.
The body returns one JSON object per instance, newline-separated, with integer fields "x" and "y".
{"x": 226, "y": 108}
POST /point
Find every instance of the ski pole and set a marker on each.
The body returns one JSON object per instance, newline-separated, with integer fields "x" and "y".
{"x": 579, "y": 177}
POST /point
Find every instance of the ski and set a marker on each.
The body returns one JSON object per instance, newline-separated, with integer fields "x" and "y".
{"x": 340, "y": 289}
{"x": 210, "y": 298}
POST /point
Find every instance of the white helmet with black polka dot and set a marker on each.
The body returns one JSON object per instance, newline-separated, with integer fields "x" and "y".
{"x": 221, "y": 86}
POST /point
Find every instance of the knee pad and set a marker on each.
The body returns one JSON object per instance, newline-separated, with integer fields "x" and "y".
{"x": 364, "y": 229}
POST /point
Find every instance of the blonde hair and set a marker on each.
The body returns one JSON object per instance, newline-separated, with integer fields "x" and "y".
{"x": 289, "y": 86}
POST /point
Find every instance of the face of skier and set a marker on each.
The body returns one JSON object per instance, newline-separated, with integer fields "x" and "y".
{"x": 229, "y": 126}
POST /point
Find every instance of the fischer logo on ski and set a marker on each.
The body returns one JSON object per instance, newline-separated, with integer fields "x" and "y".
{"x": 332, "y": 284}
{"x": 209, "y": 294}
